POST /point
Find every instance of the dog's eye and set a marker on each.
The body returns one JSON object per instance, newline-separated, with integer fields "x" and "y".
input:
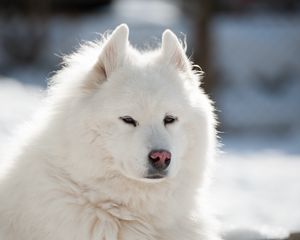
{"x": 169, "y": 119}
{"x": 129, "y": 120}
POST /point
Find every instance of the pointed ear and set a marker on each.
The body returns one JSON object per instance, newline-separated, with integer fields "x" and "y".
{"x": 114, "y": 50}
{"x": 173, "y": 52}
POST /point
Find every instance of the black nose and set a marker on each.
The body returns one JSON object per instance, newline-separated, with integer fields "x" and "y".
{"x": 159, "y": 159}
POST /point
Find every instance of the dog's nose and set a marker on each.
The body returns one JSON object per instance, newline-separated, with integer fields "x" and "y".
{"x": 159, "y": 159}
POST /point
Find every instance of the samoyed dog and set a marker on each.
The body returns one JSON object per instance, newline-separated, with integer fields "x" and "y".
{"x": 121, "y": 150}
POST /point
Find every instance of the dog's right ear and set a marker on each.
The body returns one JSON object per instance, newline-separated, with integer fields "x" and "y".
{"x": 114, "y": 50}
{"x": 173, "y": 51}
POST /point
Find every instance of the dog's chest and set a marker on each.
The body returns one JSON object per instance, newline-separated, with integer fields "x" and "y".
{"x": 115, "y": 222}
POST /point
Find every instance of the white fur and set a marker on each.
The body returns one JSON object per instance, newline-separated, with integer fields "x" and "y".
{"x": 81, "y": 171}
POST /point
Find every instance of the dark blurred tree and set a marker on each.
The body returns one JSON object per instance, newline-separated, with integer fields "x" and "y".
{"x": 24, "y": 26}
{"x": 36, "y": 7}
{"x": 201, "y": 12}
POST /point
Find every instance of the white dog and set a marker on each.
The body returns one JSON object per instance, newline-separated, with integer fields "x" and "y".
{"x": 120, "y": 151}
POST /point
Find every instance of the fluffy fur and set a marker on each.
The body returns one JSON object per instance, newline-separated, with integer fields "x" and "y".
{"x": 81, "y": 173}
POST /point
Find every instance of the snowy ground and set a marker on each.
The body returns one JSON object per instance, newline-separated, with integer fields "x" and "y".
{"x": 253, "y": 190}
{"x": 259, "y": 190}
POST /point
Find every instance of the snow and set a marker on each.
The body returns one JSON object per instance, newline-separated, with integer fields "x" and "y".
{"x": 18, "y": 102}
{"x": 256, "y": 194}
{"x": 260, "y": 189}
{"x": 257, "y": 181}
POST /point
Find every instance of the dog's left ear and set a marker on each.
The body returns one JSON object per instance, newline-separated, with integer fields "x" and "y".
{"x": 112, "y": 56}
{"x": 173, "y": 52}
{"x": 114, "y": 50}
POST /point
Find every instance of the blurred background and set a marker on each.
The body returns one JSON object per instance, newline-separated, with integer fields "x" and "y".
{"x": 250, "y": 52}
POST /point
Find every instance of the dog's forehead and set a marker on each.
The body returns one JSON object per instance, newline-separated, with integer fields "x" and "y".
{"x": 151, "y": 85}
{"x": 150, "y": 78}
{"x": 149, "y": 100}
{"x": 147, "y": 88}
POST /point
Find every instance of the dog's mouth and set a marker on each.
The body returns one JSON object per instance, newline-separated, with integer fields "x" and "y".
{"x": 155, "y": 176}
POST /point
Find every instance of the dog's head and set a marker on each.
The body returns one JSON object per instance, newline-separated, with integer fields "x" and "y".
{"x": 144, "y": 112}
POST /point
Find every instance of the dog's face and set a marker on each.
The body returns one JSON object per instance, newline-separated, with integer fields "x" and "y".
{"x": 145, "y": 108}
{"x": 144, "y": 127}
